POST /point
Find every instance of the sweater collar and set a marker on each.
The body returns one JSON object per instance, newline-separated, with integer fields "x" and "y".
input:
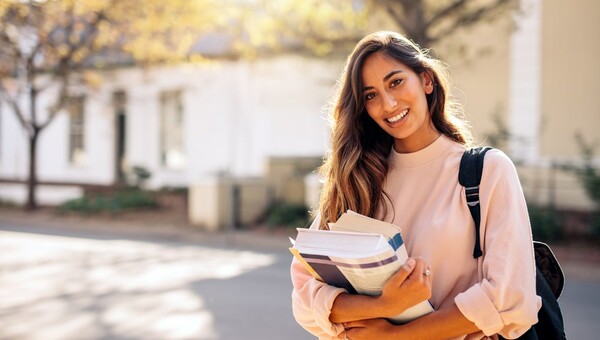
{"x": 423, "y": 156}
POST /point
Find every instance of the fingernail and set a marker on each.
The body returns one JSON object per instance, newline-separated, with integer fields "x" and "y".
{"x": 410, "y": 262}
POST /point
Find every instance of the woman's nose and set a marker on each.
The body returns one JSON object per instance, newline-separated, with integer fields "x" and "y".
{"x": 390, "y": 102}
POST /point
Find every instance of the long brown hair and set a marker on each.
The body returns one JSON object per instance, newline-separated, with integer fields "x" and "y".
{"x": 357, "y": 165}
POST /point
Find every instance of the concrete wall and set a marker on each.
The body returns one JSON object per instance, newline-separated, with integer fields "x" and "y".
{"x": 221, "y": 202}
{"x": 555, "y": 187}
{"x": 570, "y": 87}
{"x": 47, "y": 194}
{"x": 286, "y": 176}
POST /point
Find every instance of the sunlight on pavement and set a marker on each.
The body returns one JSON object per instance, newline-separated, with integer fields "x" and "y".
{"x": 65, "y": 288}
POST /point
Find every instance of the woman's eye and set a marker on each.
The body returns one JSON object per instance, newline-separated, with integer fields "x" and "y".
{"x": 369, "y": 96}
{"x": 396, "y": 82}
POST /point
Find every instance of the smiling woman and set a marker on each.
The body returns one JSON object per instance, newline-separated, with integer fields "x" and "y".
{"x": 395, "y": 98}
{"x": 397, "y": 142}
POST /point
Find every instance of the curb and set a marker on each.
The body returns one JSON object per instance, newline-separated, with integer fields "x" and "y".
{"x": 260, "y": 240}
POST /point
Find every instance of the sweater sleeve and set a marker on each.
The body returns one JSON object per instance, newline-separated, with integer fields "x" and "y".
{"x": 505, "y": 300}
{"x": 312, "y": 301}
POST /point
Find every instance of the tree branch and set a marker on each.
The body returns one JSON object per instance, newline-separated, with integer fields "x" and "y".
{"x": 469, "y": 19}
{"x": 13, "y": 104}
{"x": 396, "y": 15}
{"x": 446, "y": 12}
{"x": 66, "y": 64}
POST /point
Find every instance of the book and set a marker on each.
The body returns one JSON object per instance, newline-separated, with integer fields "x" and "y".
{"x": 358, "y": 254}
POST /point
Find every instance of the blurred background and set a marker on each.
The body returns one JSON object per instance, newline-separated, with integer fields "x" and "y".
{"x": 155, "y": 156}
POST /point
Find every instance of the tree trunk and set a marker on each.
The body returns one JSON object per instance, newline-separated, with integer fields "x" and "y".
{"x": 32, "y": 181}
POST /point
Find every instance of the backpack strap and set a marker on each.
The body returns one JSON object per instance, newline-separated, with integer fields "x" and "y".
{"x": 469, "y": 176}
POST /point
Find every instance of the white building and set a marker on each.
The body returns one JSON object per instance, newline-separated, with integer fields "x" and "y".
{"x": 182, "y": 123}
{"x": 185, "y": 123}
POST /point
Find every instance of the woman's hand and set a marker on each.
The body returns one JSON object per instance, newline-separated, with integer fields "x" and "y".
{"x": 409, "y": 286}
{"x": 368, "y": 329}
{"x": 403, "y": 290}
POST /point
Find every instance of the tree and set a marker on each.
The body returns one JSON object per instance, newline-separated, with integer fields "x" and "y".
{"x": 54, "y": 45}
{"x": 336, "y": 25}
{"x": 427, "y": 22}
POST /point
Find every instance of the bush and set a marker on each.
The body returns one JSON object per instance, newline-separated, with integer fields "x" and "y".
{"x": 595, "y": 224}
{"x": 288, "y": 215}
{"x": 589, "y": 177}
{"x": 116, "y": 202}
{"x": 546, "y": 223}
{"x": 7, "y": 203}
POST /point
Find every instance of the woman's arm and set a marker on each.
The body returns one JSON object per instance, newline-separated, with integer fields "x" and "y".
{"x": 441, "y": 324}
{"x": 311, "y": 303}
{"x": 403, "y": 290}
{"x": 312, "y": 300}
{"x": 505, "y": 300}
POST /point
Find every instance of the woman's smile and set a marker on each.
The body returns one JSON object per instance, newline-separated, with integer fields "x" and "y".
{"x": 398, "y": 117}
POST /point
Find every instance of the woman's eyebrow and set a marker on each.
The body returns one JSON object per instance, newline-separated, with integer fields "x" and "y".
{"x": 388, "y": 76}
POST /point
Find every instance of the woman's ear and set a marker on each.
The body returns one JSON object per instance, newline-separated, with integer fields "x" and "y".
{"x": 427, "y": 80}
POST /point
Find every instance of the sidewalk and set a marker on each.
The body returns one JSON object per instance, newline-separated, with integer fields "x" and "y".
{"x": 579, "y": 261}
{"x": 72, "y": 279}
{"x": 264, "y": 239}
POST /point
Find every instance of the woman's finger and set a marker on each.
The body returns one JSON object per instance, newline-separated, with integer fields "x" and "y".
{"x": 403, "y": 272}
{"x": 419, "y": 270}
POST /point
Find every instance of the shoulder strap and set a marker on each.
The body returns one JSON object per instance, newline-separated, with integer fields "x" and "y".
{"x": 469, "y": 176}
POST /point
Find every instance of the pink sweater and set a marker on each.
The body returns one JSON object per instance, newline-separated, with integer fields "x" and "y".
{"x": 497, "y": 291}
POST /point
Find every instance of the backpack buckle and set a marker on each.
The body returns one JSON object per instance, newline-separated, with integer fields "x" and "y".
{"x": 472, "y": 194}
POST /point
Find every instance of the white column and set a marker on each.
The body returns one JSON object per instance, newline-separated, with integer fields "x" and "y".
{"x": 525, "y": 83}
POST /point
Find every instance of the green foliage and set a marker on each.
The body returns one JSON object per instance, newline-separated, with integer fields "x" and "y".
{"x": 7, "y": 203}
{"x": 175, "y": 189}
{"x": 595, "y": 224}
{"x": 288, "y": 215}
{"x": 589, "y": 177}
{"x": 546, "y": 223}
{"x": 119, "y": 201}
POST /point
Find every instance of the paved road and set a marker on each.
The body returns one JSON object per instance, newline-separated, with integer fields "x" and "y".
{"x": 105, "y": 284}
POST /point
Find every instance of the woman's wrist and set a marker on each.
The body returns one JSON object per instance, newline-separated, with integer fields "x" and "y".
{"x": 350, "y": 307}
{"x": 386, "y": 308}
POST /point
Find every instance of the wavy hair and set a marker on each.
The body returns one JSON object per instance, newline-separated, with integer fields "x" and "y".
{"x": 356, "y": 168}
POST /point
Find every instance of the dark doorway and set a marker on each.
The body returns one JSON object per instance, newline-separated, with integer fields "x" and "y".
{"x": 119, "y": 102}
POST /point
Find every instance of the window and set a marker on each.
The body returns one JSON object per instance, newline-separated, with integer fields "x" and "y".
{"x": 75, "y": 108}
{"x": 172, "y": 134}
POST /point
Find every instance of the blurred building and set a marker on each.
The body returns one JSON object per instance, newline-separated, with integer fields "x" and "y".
{"x": 532, "y": 89}
{"x": 186, "y": 123}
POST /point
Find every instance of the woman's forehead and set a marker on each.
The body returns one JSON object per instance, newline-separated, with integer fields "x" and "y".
{"x": 378, "y": 65}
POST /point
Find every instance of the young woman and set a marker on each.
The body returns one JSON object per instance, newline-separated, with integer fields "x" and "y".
{"x": 397, "y": 141}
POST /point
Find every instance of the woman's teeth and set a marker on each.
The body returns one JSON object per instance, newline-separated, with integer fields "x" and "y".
{"x": 398, "y": 116}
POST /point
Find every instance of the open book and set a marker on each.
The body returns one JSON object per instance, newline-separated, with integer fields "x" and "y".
{"x": 359, "y": 254}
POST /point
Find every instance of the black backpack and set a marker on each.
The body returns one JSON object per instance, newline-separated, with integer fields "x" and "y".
{"x": 549, "y": 275}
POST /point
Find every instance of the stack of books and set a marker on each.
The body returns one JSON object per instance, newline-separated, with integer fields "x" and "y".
{"x": 357, "y": 253}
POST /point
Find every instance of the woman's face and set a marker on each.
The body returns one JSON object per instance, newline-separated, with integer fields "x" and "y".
{"x": 395, "y": 98}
